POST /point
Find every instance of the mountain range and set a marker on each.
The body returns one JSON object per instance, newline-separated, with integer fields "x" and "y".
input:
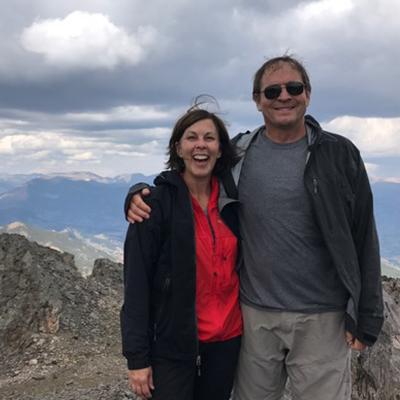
{"x": 88, "y": 209}
{"x": 82, "y": 201}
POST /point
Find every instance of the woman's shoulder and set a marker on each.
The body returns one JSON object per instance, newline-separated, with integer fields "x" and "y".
{"x": 167, "y": 185}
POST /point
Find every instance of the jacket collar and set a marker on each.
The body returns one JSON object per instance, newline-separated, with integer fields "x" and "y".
{"x": 313, "y": 128}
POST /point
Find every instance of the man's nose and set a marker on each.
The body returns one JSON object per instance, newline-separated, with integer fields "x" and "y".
{"x": 284, "y": 95}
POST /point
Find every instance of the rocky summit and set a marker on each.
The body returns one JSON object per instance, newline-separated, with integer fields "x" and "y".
{"x": 59, "y": 331}
{"x": 60, "y": 337}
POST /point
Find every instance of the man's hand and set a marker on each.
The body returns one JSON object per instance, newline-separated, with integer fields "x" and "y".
{"x": 141, "y": 382}
{"x": 138, "y": 209}
{"x": 354, "y": 344}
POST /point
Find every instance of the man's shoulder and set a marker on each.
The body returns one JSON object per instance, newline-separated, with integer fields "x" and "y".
{"x": 322, "y": 135}
{"x": 339, "y": 151}
{"x": 241, "y": 139}
{"x": 338, "y": 141}
{"x": 236, "y": 139}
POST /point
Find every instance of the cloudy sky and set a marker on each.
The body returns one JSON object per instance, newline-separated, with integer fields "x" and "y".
{"x": 96, "y": 85}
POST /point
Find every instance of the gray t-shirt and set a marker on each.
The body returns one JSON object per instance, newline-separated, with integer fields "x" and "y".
{"x": 287, "y": 265}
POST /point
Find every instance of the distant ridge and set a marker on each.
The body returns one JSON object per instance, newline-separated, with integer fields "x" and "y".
{"x": 83, "y": 201}
{"x": 93, "y": 205}
{"x": 86, "y": 249}
{"x": 9, "y": 181}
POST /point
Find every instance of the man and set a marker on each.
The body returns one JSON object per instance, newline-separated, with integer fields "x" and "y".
{"x": 310, "y": 283}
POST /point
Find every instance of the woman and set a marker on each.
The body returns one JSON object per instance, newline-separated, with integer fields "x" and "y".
{"x": 181, "y": 322}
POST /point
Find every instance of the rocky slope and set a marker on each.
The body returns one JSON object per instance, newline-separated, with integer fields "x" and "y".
{"x": 59, "y": 332}
{"x": 376, "y": 373}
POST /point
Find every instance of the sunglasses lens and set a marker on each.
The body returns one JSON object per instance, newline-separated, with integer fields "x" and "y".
{"x": 295, "y": 88}
{"x": 272, "y": 92}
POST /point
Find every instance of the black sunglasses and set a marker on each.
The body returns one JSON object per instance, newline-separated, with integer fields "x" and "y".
{"x": 274, "y": 91}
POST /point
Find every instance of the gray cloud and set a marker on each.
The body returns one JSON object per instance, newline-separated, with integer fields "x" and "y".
{"x": 158, "y": 55}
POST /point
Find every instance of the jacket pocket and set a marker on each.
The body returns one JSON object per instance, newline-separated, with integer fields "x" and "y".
{"x": 161, "y": 307}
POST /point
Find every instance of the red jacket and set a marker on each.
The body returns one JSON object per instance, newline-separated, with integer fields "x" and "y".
{"x": 217, "y": 283}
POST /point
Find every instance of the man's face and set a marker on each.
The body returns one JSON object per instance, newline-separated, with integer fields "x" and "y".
{"x": 286, "y": 111}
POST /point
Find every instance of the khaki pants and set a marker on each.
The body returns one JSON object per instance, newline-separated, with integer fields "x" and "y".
{"x": 310, "y": 349}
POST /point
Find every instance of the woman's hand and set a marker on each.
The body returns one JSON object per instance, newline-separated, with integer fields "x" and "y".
{"x": 141, "y": 382}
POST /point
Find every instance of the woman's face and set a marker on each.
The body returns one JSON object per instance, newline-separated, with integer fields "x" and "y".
{"x": 199, "y": 147}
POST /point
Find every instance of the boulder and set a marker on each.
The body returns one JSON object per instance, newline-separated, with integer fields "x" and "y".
{"x": 42, "y": 291}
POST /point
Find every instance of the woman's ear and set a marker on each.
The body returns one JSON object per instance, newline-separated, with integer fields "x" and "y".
{"x": 178, "y": 149}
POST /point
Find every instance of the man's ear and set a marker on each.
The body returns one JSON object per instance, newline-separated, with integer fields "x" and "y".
{"x": 308, "y": 96}
{"x": 256, "y": 99}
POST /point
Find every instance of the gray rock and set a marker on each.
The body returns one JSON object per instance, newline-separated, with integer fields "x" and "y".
{"x": 69, "y": 325}
{"x": 42, "y": 291}
{"x": 30, "y": 300}
{"x": 105, "y": 272}
{"x": 376, "y": 373}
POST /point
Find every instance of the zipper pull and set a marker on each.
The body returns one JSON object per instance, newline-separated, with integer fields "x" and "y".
{"x": 315, "y": 184}
{"x": 155, "y": 332}
{"x": 198, "y": 363}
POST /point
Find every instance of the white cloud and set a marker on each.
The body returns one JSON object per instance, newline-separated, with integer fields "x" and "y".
{"x": 319, "y": 9}
{"x": 122, "y": 113}
{"x": 13, "y": 144}
{"x": 375, "y": 137}
{"x": 85, "y": 156}
{"x": 56, "y": 151}
{"x": 84, "y": 40}
{"x": 38, "y": 155}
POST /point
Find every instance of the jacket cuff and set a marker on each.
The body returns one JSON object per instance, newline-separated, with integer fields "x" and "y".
{"x": 138, "y": 364}
{"x": 369, "y": 340}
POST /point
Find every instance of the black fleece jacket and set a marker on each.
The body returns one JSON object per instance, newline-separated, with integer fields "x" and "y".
{"x": 158, "y": 318}
{"x": 339, "y": 189}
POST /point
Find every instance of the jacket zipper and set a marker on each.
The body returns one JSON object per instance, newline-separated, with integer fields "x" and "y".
{"x": 315, "y": 185}
{"x": 214, "y": 284}
{"x": 212, "y": 230}
{"x": 198, "y": 364}
{"x": 164, "y": 297}
{"x": 239, "y": 242}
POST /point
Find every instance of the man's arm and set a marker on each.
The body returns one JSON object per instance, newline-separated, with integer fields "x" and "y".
{"x": 135, "y": 207}
{"x": 370, "y": 310}
{"x": 138, "y": 209}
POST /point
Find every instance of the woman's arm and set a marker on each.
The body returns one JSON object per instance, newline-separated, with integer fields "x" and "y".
{"x": 141, "y": 248}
